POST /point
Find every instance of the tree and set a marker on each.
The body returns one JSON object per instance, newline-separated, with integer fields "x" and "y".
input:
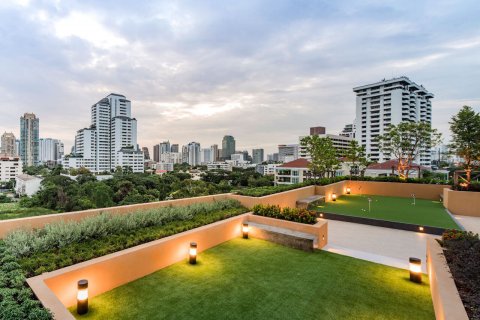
{"x": 355, "y": 155}
{"x": 465, "y": 127}
{"x": 323, "y": 155}
{"x": 405, "y": 141}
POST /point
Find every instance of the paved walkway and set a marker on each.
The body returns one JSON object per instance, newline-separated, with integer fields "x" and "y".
{"x": 469, "y": 223}
{"x": 381, "y": 245}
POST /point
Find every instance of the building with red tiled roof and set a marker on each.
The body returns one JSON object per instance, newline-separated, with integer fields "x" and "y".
{"x": 389, "y": 168}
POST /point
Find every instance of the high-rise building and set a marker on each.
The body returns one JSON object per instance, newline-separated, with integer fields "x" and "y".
{"x": 348, "y": 131}
{"x": 146, "y": 153}
{"x": 50, "y": 150}
{"x": 111, "y": 139}
{"x": 174, "y": 148}
{"x": 317, "y": 130}
{"x": 29, "y": 132}
{"x": 389, "y": 102}
{"x": 165, "y": 147}
{"x": 214, "y": 152}
{"x": 184, "y": 154}
{"x": 287, "y": 152}
{"x": 272, "y": 157}
{"x": 9, "y": 146}
{"x": 156, "y": 153}
{"x": 228, "y": 147}
{"x": 206, "y": 155}
{"x": 194, "y": 153}
{"x": 257, "y": 155}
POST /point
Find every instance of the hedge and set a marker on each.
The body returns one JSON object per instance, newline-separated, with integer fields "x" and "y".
{"x": 290, "y": 214}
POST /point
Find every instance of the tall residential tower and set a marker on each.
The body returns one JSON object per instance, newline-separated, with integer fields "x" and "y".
{"x": 29, "y": 131}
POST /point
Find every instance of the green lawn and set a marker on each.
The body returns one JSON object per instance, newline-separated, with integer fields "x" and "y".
{"x": 424, "y": 212}
{"x": 13, "y": 211}
{"x": 256, "y": 279}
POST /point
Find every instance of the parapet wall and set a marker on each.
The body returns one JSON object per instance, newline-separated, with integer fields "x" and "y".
{"x": 463, "y": 203}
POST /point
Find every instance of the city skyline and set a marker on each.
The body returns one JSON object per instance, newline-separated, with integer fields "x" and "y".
{"x": 192, "y": 70}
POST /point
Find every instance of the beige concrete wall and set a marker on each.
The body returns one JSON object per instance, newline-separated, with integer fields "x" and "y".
{"x": 339, "y": 188}
{"x": 462, "y": 202}
{"x": 57, "y": 290}
{"x": 283, "y": 199}
{"x": 319, "y": 230}
{"x": 396, "y": 189}
{"x": 29, "y": 223}
{"x": 445, "y": 297}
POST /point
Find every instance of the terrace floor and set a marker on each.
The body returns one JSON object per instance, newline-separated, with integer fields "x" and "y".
{"x": 255, "y": 279}
{"x": 469, "y": 223}
{"x": 424, "y": 212}
{"x": 381, "y": 245}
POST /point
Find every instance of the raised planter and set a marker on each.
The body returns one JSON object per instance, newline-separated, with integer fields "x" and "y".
{"x": 446, "y": 299}
{"x": 383, "y": 223}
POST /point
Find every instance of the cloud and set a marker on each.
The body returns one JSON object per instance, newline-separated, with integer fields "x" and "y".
{"x": 261, "y": 71}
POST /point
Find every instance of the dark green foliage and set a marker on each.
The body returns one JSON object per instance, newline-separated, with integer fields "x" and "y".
{"x": 16, "y": 298}
{"x": 462, "y": 250}
{"x": 290, "y": 214}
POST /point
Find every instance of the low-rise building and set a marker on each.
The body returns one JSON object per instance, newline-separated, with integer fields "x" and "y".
{"x": 292, "y": 172}
{"x": 267, "y": 169}
{"x": 219, "y": 166}
{"x": 164, "y": 166}
{"x": 10, "y": 167}
{"x": 389, "y": 168}
{"x": 27, "y": 185}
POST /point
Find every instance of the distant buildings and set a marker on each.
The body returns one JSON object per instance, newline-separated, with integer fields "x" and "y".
{"x": 292, "y": 172}
{"x": 205, "y": 155}
{"x": 341, "y": 143}
{"x": 257, "y": 156}
{"x": 266, "y": 169}
{"x": 174, "y": 148}
{"x": 389, "y": 102}
{"x": 146, "y": 153}
{"x": 193, "y": 153}
{"x": 317, "y": 130}
{"x": 272, "y": 157}
{"x": 111, "y": 139}
{"x": 50, "y": 150}
{"x": 29, "y": 135}
{"x": 219, "y": 166}
{"x": 228, "y": 147}
{"x": 287, "y": 152}
{"x": 214, "y": 153}
{"x": 9, "y": 145}
{"x": 26, "y": 185}
{"x": 348, "y": 131}
{"x": 10, "y": 167}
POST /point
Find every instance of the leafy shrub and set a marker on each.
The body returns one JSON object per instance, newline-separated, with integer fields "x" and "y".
{"x": 290, "y": 214}
{"x": 462, "y": 251}
{"x": 23, "y": 243}
{"x": 473, "y": 187}
{"x": 16, "y": 298}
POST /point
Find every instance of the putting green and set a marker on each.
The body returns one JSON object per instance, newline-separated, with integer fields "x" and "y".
{"x": 423, "y": 212}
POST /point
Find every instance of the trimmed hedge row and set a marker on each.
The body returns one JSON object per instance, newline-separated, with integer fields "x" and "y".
{"x": 265, "y": 191}
{"x": 290, "y": 214}
{"x": 462, "y": 251}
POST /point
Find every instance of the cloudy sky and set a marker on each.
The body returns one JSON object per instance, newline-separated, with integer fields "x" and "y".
{"x": 262, "y": 71}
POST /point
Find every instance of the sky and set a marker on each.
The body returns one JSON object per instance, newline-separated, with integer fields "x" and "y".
{"x": 262, "y": 71}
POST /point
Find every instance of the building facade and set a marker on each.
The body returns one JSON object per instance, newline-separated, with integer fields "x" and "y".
{"x": 257, "y": 156}
{"x": 292, "y": 172}
{"x": 50, "y": 150}
{"x": 389, "y": 102}
{"x": 228, "y": 147}
{"x": 9, "y": 145}
{"x": 29, "y": 135}
{"x": 10, "y": 167}
{"x": 194, "y": 153}
{"x": 111, "y": 139}
{"x": 287, "y": 152}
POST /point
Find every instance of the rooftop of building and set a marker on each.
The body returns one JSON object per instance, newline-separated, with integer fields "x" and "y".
{"x": 388, "y": 165}
{"x": 27, "y": 177}
{"x": 384, "y": 81}
{"x": 299, "y": 163}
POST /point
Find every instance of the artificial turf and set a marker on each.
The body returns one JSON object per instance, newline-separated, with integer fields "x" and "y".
{"x": 256, "y": 279}
{"x": 424, "y": 212}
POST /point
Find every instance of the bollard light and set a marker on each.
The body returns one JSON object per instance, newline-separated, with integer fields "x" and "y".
{"x": 420, "y": 229}
{"x": 82, "y": 296}
{"x": 193, "y": 253}
{"x": 348, "y": 190}
{"x": 334, "y": 196}
{"x": 321, "y": 215}
{"x": 415, "y": 266}
{"x": 245, "y": 229}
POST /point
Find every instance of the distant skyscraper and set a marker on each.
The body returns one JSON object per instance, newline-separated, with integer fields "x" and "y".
{"x": 146, "y": 153}
{"x": 184, "y": 154}
{"x": 111, "y": 139}
{"x": 29, "y": 132}
{"x": 165, "y": 147}
{"x": 156, "y": 153}
{"x": 174, "y": 148}
{"x": 214, "y": 152}
{"x": 317, "y": 130}
{"x": 228, "y": 147}
{"x": 287, "y": 152}
{"x": 9, "y": 146}
{"x": 257, "y": 155}
{"x": 50, "y": 150}
{"x": 194, "y": 153}
{"x": 389, "y": 102}
{"x": 205, "y": 155}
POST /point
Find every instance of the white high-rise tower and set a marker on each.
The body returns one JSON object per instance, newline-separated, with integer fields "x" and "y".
{"x": 386, "y": 103}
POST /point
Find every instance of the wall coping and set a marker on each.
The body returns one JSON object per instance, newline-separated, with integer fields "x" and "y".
{"x": 446, "y": 299}
{"x": 274, "y": 194}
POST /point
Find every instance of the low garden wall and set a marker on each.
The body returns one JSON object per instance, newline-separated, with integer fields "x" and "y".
{"x": 283, "y": 199}
{"x": 339, "y": 188}
{"x": 463, "y": 203}
{"x": 396, "y": 189}
{"x": 57, "y": 290}
{"x": 446, "y": 299}
{"x": 7, "y": 226}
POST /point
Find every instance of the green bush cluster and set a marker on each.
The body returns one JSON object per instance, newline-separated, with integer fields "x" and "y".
{"x": 16, "y": 298}
{"x": 23, "y": 243}
{"x": 290, "y": 214}
{"x": 462, "y": 251}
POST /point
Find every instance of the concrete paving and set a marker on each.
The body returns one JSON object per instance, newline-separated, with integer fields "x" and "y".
{"x": 381, "y": 245}
{"x": 469, "y": 223}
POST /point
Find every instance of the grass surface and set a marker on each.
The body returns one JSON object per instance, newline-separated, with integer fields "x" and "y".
{"x": 14, "y": 211}
{"x": 256, "y": 279}
{"x": 424, "y": 212}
